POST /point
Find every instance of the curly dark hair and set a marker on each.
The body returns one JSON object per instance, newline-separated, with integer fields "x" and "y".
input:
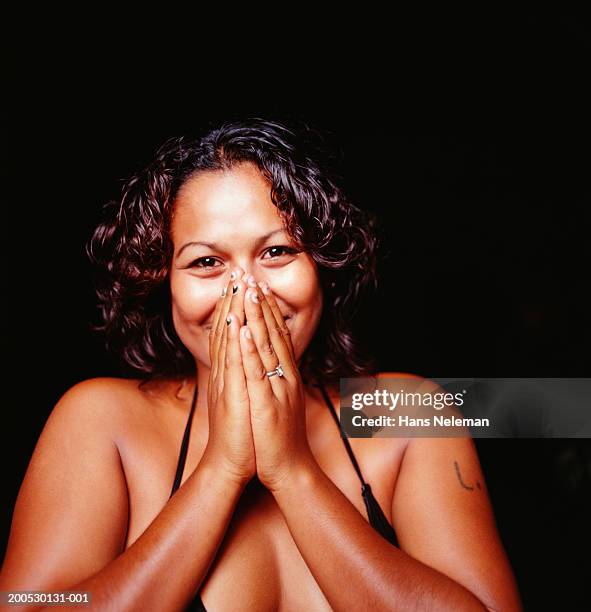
{"x": 133, "y": 250}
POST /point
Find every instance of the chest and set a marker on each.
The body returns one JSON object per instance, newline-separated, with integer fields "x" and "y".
{"x": 258, "y": 564}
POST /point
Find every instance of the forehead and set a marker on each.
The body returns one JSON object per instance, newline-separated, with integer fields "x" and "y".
{"x": 223, "y": 201}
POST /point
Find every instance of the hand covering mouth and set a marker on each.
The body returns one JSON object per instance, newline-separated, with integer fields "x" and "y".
{"x": 285, "y": 318}
{"x": 209, "y": 325}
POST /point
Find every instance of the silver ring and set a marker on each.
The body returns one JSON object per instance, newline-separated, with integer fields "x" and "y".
{"x": 277, "y": 371}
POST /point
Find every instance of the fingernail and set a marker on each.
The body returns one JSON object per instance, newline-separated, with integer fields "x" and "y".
{"x": 251, "y": 281}
{"x": 234, "y": 288}
{"x": 265, "y": 287}
{"x": 224, "y": 291}
{"x": 247, "y": 333}
{"x": 228, "y": 319}
{"x": 236, "y": 272}
{"x": 254, "y": 296}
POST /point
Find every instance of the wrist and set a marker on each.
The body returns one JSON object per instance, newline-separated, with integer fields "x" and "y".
{"x": 300, "y": 477}
{"x": 217, "y": 470}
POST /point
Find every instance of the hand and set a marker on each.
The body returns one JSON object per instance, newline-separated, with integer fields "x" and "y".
{"x": 230, "y": 446}
{"x": 277, "y": 404}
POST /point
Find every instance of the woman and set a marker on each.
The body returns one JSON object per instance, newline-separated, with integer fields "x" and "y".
{"x": 232, "y": 265}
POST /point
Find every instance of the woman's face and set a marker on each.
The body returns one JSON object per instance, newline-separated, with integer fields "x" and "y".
{"x": 223, "y": 220}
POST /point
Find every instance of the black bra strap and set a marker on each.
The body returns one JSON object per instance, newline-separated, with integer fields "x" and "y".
{"x": 375, "y": 514}
{"x": 343, "y": 436}
{"x": 184, "y": 446}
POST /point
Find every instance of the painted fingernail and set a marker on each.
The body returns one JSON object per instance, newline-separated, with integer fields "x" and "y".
{"x": 224, "y": 291}
{"x": 254, "y": 296}
{"x": 234, "y": 289}
{"x": 228, "y": 319}
{"x": 265, "y": 287}
{"x": 246, "y": 333}
{"x": 251, "y": 281}
{"x": 234, "y": 274}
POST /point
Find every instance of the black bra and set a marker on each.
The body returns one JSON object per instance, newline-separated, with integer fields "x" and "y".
{"x": 375, "y": 514}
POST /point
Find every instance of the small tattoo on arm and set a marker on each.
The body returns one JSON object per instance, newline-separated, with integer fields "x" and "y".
{"x": 468, "y": 487}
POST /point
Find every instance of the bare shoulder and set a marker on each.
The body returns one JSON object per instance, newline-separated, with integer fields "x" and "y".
{"x": 406, "y": 380}
{"x": 110, "y": 398}
{"x": 108, "y": 409}
{"x": 386, "y": 450}
{"x": 97, "y": 390}
{"x": 414, "y": 383}
{"x": 381, "y": 456}
{"x": 94, "y": 402}
{"x": 88, "y": 415}
{"x": 105, "y": 387}
{"x": 399, "y": 375}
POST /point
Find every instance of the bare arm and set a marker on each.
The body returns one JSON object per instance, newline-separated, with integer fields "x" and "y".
{"x": 70, "y": 519}
{"x": 452, "y": 557}
{"x": 165, "y": 566}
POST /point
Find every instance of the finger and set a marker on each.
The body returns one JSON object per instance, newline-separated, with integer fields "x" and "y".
{"x": 221, "y": 358}
{"x": 261, "y": 337}
{"x": 214, "y": 338}
{"x": 220, "y": 322}
{"x": 236, "y": 308}
{"x": 215, "y": 334}
{"x": 259, "y": 387}
{"x": 237, "y": 302}
{"x": 270, "y": 300}
{"x": 234, "y": 377}
{"x": 277, "y": 339}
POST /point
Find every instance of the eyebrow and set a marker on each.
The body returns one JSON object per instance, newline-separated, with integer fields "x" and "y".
{"x": 215, "y": 247}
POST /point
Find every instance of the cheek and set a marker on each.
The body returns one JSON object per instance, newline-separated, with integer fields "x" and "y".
{"x": 306, "y": 325}
{"x": 188, "y": 299}
{"x": 305, "y": 296}
{"x": 310, "y": 309}
{"x": 298, "y": 283}
{"x": 306, "y": 291}
{"x": 310, "y": 296}
{"x": 192, "y": 307}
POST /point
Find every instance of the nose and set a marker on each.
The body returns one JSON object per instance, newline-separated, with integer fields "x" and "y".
{"x": 244, "y": 272}
{"x": 240, "y": 272}
{"x": 258, "y": 277}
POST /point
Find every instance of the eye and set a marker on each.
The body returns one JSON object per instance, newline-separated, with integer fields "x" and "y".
{"x": 280, "y": 250}
{"x": 208, "y": 263}
{"x": 203, "y": 262}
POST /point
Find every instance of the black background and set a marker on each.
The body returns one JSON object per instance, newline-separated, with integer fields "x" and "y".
{"x": 467, "y": 134}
